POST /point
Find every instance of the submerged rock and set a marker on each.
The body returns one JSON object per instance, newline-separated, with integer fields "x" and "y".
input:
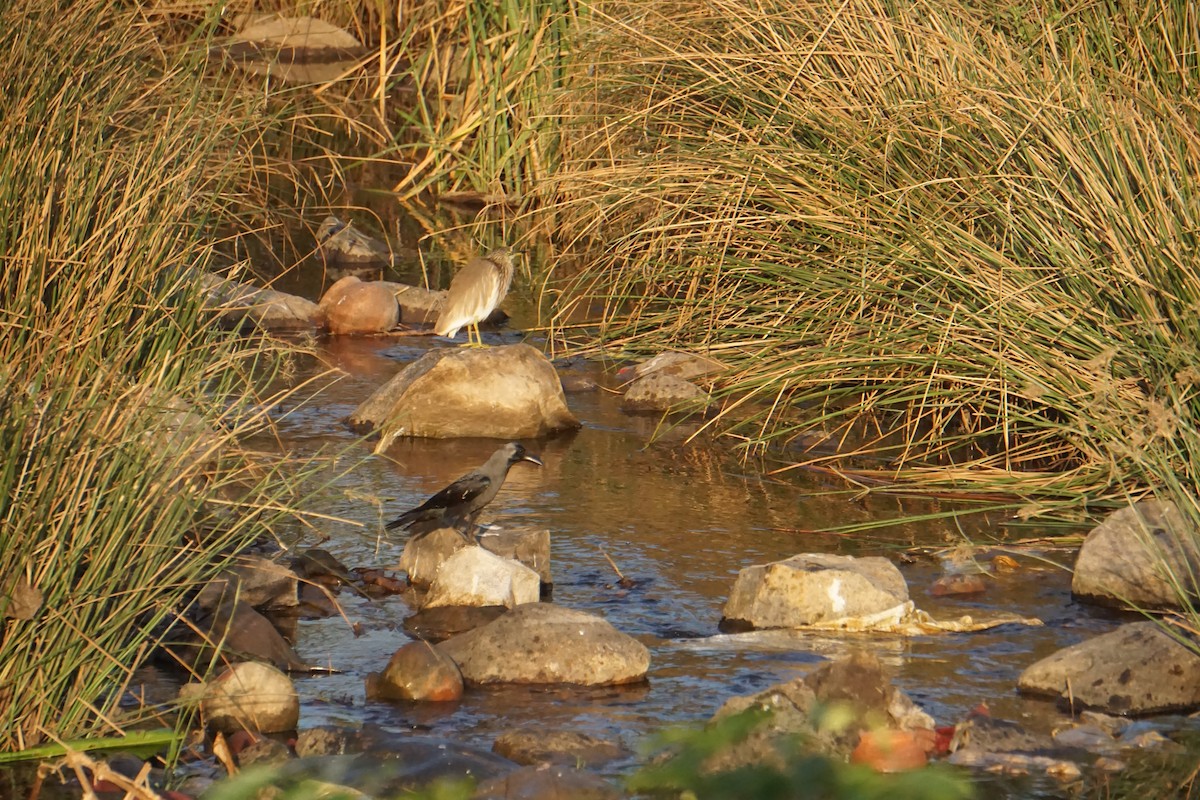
{"x": 509, "y": 392}
{"x": 546, "y": 782}
{"x": 251, "y": 696}
{"x": 475, "y": 577}
{"x": 1136, "y": 669}
{"x": 815, "y": 588}
{"x": 556, "y": 747}
{"x": 541, "y": 643}
{"x": 353, "y": 306}
{"x": 1138, "y": 557}
{"x": 443, "y": 622}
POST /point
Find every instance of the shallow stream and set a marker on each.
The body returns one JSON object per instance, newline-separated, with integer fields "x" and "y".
{"x": 678, "y": 518}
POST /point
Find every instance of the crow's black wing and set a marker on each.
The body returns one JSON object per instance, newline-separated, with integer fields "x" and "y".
{"x": 454, "y": 499}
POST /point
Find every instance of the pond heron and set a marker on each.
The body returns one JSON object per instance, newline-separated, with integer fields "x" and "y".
{"x": 459, "y": 504}
{"x": 474, "y": 294}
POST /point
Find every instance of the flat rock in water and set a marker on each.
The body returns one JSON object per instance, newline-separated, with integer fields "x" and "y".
{"x": 240, "y": 304}
{"x": 509, "y": 392}
{"x": 659, "y": 392}
{"x": 818, "y": 589}
{"x": 531, "y": 548}
{"x": 675, "y": 364}
{"x": 1137, "y": 557}
{"x": 354, "y": 306}
{"x": 443, "y": 622}
{"x": 1136, "y": 669}
{"x": 424, "y": 555}
{"x": 558, "y": 747}
{"x": 475, "y": 577}
{"x": 539, "y": 643}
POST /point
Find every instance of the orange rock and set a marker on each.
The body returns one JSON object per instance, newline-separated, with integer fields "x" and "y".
{"x": 957, "y": 584}
{"x": 417, "y": 671}
{"x": 352, "y": 306}
{"x": 888, "y": 750}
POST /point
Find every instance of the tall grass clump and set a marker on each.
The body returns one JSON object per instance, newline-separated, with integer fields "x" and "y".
{"x": 484, "y": 75}
{"x": 950, "y": 247}
{"x": 121, "y": 484}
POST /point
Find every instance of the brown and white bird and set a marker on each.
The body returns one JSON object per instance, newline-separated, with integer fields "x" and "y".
{"x": 475, "y": 293}
{"x": 458, "y": 505}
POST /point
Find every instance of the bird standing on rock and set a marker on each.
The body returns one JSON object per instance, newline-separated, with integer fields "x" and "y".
{"x": 474, "y": 294}
{"x": 459, "y": 504}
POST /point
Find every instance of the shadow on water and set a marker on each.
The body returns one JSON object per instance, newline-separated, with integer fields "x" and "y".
{"x": 678, "y": 518}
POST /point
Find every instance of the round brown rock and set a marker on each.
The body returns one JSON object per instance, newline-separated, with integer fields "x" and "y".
{"x": 352, "y": 306}
{"x": 417, "y": 671}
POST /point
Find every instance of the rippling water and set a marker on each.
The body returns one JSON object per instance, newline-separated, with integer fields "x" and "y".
{"x": 681, "y": 520}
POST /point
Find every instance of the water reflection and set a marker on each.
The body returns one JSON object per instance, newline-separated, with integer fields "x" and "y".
{"x": 678, "y": 519}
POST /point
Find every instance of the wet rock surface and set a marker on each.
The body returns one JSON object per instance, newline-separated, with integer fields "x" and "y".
{"x": 508, "y": 392}
{"x": 814, "y": 588}
{"x": 541, "y": 643}
{"x": 417, "y": 671}
{"x": 1136, "y": 669}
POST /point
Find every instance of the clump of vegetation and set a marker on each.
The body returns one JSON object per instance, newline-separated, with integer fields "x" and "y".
{"x": 122, "y": 486}
{"x": 954, "y": 248}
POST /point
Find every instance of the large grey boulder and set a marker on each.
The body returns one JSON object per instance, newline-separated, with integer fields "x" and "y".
{"x": 473, "y": 576}
{"x": 1136, "y": 669}
{"x": 509, "y": 392}
{"x": 816, "y": 588}
{"x": 1144, "y": 556}
{"x": 539, "y": 643}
